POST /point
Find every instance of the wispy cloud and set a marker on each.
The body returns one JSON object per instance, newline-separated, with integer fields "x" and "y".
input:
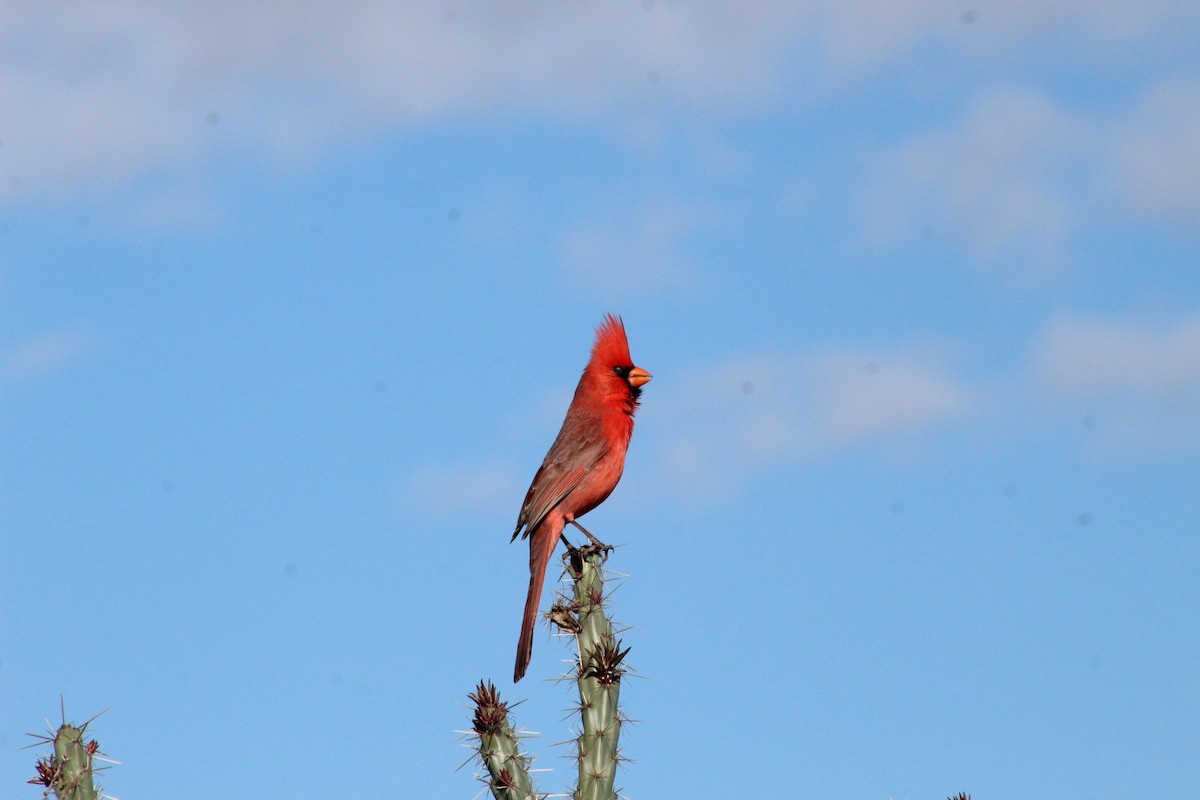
{"x": 625, "y": 255}
{"x": 43, "y": 355}
{"x": 857, "y": 37}
{"x": 1087, "y": 356}
{"x": 1012, "y": 179}
{"x": 1154, "y": 155}
{"x": 998, "y": 181}
{"x": 181, "y": 205}
{"x": 97, "y": 95}
{"x": 471, "y": 485}
{"x": 1139, "y": 384}
{"x": 720, "y": 425}
{"x": 860, "y": 398}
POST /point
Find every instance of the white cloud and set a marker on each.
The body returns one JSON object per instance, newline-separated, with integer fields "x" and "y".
{"x": 1016, "y": 175}
{"x": 996, "y": 180}
{"x": 44, "y": 355}
{"x": 451, "y": 489}
{"x": 180, "y": 205}
{"x": 1080, "y": 357}
{"x": 716, "y": 426}
{"x": 1139, "y": 384}
{"x": 1155, "y": 156}
{"x": 854, "y": 37}
{"x": 98, "y": 94}
{"x": 622, "y": 255}
{"x": 861, "y": 400}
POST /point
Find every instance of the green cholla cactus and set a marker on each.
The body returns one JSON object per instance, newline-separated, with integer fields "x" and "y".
{"x": 68, "y": 772}
{"x": 598, "y": 677}
{"x": 598, "y": 671}
{"x": 499, "y": 748}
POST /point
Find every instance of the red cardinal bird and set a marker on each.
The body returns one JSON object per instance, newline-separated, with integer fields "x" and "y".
{"x": 584, "y": 463}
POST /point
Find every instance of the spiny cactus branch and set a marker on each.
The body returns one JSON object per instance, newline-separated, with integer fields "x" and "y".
{"x": 499, "y": 748}
{"x": 69, "y": 771}
{"x": 599, "y": 667}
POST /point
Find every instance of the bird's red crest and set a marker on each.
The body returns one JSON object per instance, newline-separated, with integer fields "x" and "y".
{"x": 611, "y": 348}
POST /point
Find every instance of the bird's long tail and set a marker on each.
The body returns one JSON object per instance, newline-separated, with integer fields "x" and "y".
{"x": 541, "y": 547}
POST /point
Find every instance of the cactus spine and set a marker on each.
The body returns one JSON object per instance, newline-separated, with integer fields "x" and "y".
{"x": 68, "y": 772}
{"x": 499, "y": 748}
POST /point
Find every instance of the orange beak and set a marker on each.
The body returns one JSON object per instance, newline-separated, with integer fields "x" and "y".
{"x": 639, "y": 377}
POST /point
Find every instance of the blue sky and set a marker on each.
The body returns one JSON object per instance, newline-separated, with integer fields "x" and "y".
{"x": 293, "y": 301}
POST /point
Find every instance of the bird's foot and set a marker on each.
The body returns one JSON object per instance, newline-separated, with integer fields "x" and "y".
{"x": 596, "y": 544}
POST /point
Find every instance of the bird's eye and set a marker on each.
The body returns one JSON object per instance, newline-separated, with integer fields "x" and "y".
{"x": 622, "y": 371}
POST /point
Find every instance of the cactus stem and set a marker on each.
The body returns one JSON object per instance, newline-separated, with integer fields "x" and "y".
{"x": 69, "y": 771}
{"x": 498, "y": 747}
